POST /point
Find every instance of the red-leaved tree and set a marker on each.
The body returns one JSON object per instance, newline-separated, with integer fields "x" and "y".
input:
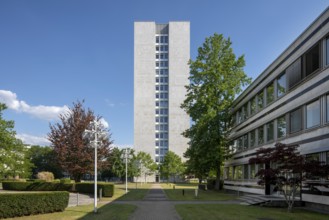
{"x": 285, "y": 168}
{"x": 73, "y": 152}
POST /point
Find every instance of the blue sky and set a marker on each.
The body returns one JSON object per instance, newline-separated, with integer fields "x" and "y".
{"x": 55, "y": 52}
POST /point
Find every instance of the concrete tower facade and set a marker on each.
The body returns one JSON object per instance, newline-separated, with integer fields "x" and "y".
{"x": 161, "y": 53}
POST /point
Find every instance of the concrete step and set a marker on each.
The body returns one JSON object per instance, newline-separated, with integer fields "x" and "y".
{"x": 253, "y": 199}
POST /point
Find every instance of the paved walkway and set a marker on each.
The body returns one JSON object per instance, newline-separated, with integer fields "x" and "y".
{"x": 156, "y": 206}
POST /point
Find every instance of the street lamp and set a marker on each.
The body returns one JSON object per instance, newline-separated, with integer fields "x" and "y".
{"x": 96, "y": 133}
{"x": 126, "y": 156}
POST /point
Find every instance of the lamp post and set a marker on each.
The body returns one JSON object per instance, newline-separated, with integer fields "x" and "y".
{"x": 126, "y": 156}
{"x": 96, "y": 133}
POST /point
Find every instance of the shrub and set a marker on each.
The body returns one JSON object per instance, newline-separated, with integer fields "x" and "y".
{"x": 20, "y": 204}
{"x": 212, "y": 182}
{"x": 47, "y": 176}
{"x": 56, "y": 181}
{"x": 65, "y": 180}
{"x": 107, "y": 188}
{"x": 37, "y": 186}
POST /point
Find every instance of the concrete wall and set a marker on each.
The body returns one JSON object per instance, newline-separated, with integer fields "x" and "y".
{"x": 179, "y": 54}
{"x": 144, "y": 87}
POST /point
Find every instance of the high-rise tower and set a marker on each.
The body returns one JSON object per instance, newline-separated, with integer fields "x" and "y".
{"x": 161, "y": 53}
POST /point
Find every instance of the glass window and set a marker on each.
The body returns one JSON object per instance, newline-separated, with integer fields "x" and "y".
{"x": 253, "y": 106}
{"x": 327, "y": 51}
{"x": 252, "y": 138}
{"x": 239, "y": 116}
{"x": 313, "y": 114}
{"x": 315, "y": 156}
{"x": 245, "y": 141}
{"x": 239, "y": 146}
{"x": 327, "y": 108}
{"x": 282, "y": 127}
{"x": 296, "y": 120}
{"x": 269, "y": 94}
{"x": 294, "y": 73}
{"x": 238, "y": 172}
{"x": 270, "y": 131}
{"x": 230, "y": 172}
{"x": 281, "y": 85}
{"x": 245, "y": 109}
{"x": 243, "y": 113}
{"x": 312, "y": 60}
{"x": 261, "y": 135}
{"x": 252, "y": 171}
{"x": 245, "y": 171}
{"x": 157, "y": 39}
{"x": 327, "y": 157}
{"x": 260, "y": 100}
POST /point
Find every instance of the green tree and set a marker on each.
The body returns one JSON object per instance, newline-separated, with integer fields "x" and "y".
{"x": 146, "y": 166}
{"x": 43, "y": 159}
{"x": 13, "y": 157}
{"x": 117, "y": 163}
{"x": 172, "y": 166}
{"x": 216, "y": 78}
{"x": 73, "y": 152}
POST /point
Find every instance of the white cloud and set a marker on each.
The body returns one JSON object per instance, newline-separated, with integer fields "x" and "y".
{"x": 33, "y": 140}
{"x": 39, "y": 111}
{"x": 123, "y": 146}
{"x": 104, "y": 123}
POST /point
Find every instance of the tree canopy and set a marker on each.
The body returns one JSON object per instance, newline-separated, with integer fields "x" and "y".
{"x": 172, "y": 166}
{"x": 216, "y": 78}
{"x": 73, "y": 152}
{"x": 43, "y": 159}
{"x": 285, "y": 166}
{"x": 13, "y": 153}
{"x": 146, "y": 166}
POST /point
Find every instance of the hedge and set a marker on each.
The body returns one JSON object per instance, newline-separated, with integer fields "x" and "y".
{"x": 37, "y": 186}
{"x": 20, "y": 204}
{"x": 107, "y": 188}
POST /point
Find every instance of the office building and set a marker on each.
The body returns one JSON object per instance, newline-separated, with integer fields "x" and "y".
{"x": 161, "y": 54}
{"x": 288, "y": 103}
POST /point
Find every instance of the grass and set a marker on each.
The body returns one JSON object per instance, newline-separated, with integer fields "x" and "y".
{"x": 239, "y": 212}
{"x": 189, "y": 193}
{"x": 134, "y": 192}
{"x": 107, "y": 211}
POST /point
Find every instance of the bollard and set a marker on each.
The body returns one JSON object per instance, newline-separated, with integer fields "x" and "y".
{"x": 183, "y": 191}
{"x": 196, "y": 193}
{"x": 173, "y": 186}
{"x": 100, "y": 193}
{"x": 77, "y": 199}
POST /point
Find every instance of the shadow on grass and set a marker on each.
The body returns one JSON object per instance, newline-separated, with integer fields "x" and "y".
{"x": 111, "y": 211}
{"x": 118, "y": 211}
{"x": 182, "y": 194}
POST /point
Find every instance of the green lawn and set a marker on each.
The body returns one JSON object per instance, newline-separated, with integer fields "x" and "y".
{"x": 134, "y": 192}
{"x": 240, "y": 212}
{"x": 108, "y": 212}
{"x": 189, "y": 193}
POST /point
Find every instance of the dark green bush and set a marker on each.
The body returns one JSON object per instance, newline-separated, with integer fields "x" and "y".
{"x": 212, "y": 182}
{"x": 107, "y": 188}
{"x": 20, "y": 204}
{"x": 37, "y": 186}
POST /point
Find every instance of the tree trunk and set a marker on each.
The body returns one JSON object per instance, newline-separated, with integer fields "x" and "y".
{"x": 217, "y": 185}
